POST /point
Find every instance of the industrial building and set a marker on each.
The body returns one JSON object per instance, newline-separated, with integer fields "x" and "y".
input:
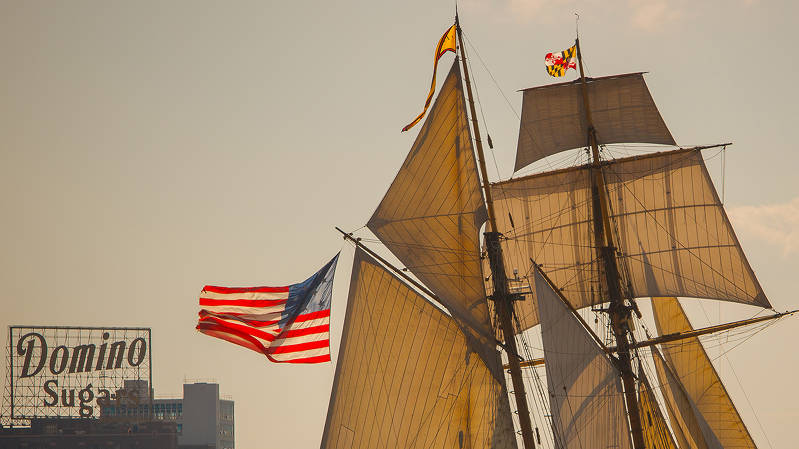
{"x": 202, "y": 419}
{"x": 83, "y": 433}
{"x": 198, "y": 420}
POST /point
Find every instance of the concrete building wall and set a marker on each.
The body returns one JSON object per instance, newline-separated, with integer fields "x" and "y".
{"x": 200, "y": 414}
{"x": 202, "y": 419}
{"x": 226, "y": 425}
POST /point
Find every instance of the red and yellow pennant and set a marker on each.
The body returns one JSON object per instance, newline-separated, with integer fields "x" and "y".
{"x": 445, "y": 44}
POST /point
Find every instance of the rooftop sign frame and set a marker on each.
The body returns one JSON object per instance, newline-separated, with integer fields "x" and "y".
{"x": 71, "y": 371}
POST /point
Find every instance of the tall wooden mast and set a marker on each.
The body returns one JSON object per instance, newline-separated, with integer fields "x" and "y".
{"x": 503, "y": 300}
{"x": 620, "y": 314}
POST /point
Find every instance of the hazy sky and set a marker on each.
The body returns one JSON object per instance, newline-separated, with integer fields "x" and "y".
{"x": 150, "y": 148}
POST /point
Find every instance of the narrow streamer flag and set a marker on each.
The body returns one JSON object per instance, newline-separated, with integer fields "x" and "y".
{"x": 558, "y": 63}
{"x": 445, "y": 44}
{"x": 286, "y": 324}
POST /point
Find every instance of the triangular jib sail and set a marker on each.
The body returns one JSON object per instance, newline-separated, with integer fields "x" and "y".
{"x": 698, "y": 378}
{"x": 656, "y": 431}
{"x": 408, "y": 377}
{"x": 430, "y": 218}
{"x": 585, "y": 394}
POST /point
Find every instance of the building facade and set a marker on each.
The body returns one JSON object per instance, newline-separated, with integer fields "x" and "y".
{"x": 203, "y": 420}
{"x": 83, "y": 433}
{"x": 206, "y": 419}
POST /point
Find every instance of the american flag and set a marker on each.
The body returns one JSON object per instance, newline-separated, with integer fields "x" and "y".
{"x": 287, "y": 324}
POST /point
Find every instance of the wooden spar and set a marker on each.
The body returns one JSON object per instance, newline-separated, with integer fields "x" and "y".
{"x": 705, "y": 330}
{"x": 526, "y": 363}
{"x": 677, "y": 336}
{"x": 492, "y": 221}
{"x": 603, "y": 237}
{"x": 501, "y": 296}
{"x": 598, "y": 179}
{"x": 604, "y": 163}
{"x": 389, "y": 265}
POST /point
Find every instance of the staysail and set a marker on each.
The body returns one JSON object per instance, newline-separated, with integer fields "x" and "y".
{"x": 431, "y": 216}
{"x": 669, "y": 221}
{"x": 586, "y": 399}
{"x": 656, "y": 431}
{"x": 689, "y": 426}
{"x": 697, "y": 376}
{"x": 554, "y": 120}
{"x": 408, "y": 377}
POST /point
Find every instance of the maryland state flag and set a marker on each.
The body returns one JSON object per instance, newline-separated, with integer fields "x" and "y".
{"x": 445, "y": 44}
{"x": 558, "y": 63}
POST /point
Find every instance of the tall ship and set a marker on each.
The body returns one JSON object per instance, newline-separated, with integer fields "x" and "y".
{"x": 436, "y": 353}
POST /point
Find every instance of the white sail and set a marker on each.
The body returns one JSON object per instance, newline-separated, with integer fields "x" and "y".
{"x": 669, "y": 221}
{"x": 553, "y": 116}
{"x": 431, "y": 216}
{"x": 407, "y": 376}
{"x": 586, "y": 399}
{"x": 698, "y": 378}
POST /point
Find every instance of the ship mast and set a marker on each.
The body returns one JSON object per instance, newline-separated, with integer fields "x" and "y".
{"x": 503, "y": 300}
{"x": 619, "y": 313}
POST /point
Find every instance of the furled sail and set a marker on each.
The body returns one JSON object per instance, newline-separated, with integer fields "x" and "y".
{"x": 553, "y": 116}
{"x": 656, "y": 431}
{"x": 431, "y": 215}
{"x": 585, "y": 394}
{"x": 669, "y": 221}
{"x": 408, "y": 377}
{"x": 691, "y": 365}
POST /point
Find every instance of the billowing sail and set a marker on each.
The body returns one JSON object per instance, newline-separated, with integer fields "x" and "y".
{"x": 431, "y": 215}
{"x": 656, "y": 431}
{"x": 553, "y": 116}
{"x": 408, "y": 377}
{"x": 585, "y": 394}
{"x": 691, "y": 365}
{"x": 668, "y": 220}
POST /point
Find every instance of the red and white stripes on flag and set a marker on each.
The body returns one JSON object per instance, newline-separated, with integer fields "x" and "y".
{"x": 287, "y": 324}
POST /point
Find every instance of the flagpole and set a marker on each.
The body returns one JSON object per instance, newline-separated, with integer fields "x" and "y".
{"x": 503, "y": 300}
{"x": 619, "y": 313}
